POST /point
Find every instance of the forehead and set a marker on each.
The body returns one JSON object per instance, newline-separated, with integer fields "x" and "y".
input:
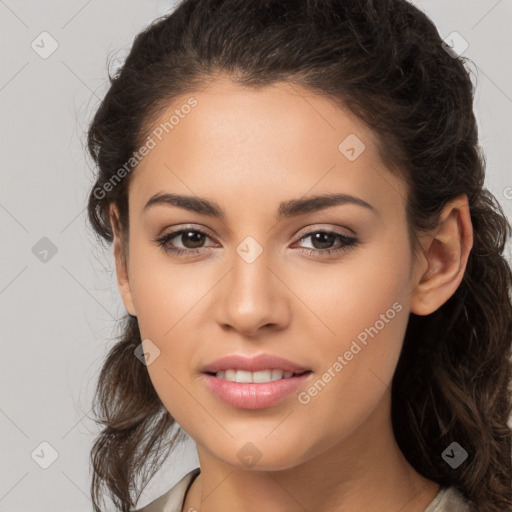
{"x": 249, "y": 144}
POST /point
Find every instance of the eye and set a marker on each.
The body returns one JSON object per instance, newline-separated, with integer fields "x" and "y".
{"x": 324, "y": 239}
{"x": 192, "y": 240}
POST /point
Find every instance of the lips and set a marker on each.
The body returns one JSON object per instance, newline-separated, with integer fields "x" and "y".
{"x": 255, "y": 395}
{"x": 254, "y": 364}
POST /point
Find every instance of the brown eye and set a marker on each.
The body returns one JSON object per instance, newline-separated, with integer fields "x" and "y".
{"x": 195, "y": 238}
{"x": 192, "y": 241}
{"x": 323, "y": 241}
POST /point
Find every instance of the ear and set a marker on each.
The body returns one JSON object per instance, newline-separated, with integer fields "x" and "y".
{"x": 446, "y": 251}
{"x": 121, "y": 261}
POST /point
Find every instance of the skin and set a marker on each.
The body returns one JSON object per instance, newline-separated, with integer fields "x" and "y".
{"x": 248, "y": 150}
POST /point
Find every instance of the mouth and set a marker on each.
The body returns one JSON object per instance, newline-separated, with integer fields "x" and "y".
{"x": 243, "y": 389}
{"x": 256, "y": 365}
{"x": 259, "y": 377}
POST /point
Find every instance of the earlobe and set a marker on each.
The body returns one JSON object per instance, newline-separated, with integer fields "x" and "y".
{"x": 446, "y": 252}
{"x": 121, "y": 262}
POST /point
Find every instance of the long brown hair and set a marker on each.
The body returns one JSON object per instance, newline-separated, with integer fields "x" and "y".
{"x": 385, "y": 61}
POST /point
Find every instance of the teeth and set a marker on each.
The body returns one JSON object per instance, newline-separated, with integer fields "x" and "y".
{"x": 258, "y": 377}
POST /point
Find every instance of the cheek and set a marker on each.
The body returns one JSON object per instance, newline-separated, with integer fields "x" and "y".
{"x": 350, "y": 296}
{"x": 162, "y": 291}
{"x": 166, "y": 297}
{"x": 364, "y": 305}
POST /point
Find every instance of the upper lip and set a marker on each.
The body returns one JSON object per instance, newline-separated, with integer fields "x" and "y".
{"x": 253, "y": 364}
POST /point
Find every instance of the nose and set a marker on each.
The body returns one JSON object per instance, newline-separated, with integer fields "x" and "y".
{"x": 252, "y": 298}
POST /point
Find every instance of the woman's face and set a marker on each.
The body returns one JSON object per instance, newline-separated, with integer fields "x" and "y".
{"x": 261, "y": 280}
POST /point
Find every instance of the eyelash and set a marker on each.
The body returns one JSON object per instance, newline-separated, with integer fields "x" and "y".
{"x": 348, "y": 243}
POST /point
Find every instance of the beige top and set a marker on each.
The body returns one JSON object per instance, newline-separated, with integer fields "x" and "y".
{"x": 448, "y": 499}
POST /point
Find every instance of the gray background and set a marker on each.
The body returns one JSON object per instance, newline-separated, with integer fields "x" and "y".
{"x": 58, "y": 316}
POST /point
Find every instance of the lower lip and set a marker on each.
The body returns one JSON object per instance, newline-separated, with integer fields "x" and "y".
{"x": 250, "y": 395}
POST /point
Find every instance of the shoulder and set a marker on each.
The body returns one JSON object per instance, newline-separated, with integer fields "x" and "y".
{"x": 450, "y": 499}
{"x": 172, "y": 500}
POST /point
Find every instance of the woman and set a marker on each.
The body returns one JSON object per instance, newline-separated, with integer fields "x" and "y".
{"x": 311, "y": 267}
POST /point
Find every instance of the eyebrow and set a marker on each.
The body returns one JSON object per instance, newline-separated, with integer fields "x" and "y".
{"x": 291, "y": 208}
